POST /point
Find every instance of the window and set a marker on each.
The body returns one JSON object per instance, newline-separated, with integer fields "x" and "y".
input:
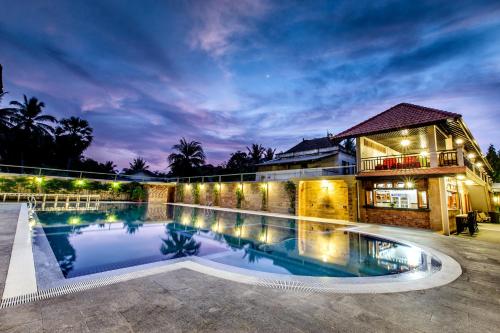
{"x": 396, "y": 194}
{"x": 451, "y": 193}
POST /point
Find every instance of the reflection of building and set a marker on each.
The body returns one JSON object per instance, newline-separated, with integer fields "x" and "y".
{"x": 418, "y": 167}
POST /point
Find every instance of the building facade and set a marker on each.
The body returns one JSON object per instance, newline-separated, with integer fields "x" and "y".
{"x": 418, "y": 167}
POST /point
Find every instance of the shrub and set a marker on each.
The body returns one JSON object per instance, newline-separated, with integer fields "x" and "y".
{"x": 179, "y": 193}
{"x": 216, "y": 194}
{"x": 195, "y": 191}
{"x": 263, "y": 193}
{"x": 56, "y": 185}
{"x": 239, "y": 196}
{"x": 7, "y": 185}
{"x": 291, "y": 190}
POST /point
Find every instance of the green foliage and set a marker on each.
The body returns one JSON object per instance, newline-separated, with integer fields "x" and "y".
{"x": 195, "y": 192}
{"x": 216, "y": 194}
{"x": 179, "y": 193}
{"x": 263, "y": 194}
{"x": 493, "y": 157}
{"x": 56, "y": 185}
{"x": 7, "y": 185}
{"x": 239, "y": 196}
{"x": 291, "y": 190}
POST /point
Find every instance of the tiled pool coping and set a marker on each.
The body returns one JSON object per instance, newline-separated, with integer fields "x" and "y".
{"x": 22, "y": 262}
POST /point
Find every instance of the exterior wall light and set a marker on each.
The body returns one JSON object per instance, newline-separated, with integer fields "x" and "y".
{"x": 38, "y": 180}
{"x": 405, "y": 142}
{"x": 459, "y": 141}
{"x": 460, "y": 177}
{"x": 80, "y": 182}
{"x": 471, "y": 155}
{"x": 424, "y": 153}
{"x": 405, "y": 132}
{"x": 115, "y": 185}
{"x": 479, "y": 164}
{"x": 410, "y": 184}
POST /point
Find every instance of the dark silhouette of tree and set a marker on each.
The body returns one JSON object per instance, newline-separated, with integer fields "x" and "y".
{"x": 493, "y": 158}
{"x": 27, "y": 116}
{"x": 189, "y": 156}
{"x": 5, "y": 114}
{"x": 350, "y": 146}
{"x": 137, "y": 165}
{"x": 238, "y": 162}
{"x": 255, "y": 153}
{"x": 73, "y": 137}
{"x": 269, "y": 154}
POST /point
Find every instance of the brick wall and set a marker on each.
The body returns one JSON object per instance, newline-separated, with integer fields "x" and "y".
{"x": 157, "y": 193}
{"x": 404, "y": 218}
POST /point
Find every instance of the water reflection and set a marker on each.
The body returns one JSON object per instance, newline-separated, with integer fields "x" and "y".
{"x": 126, "y": 235}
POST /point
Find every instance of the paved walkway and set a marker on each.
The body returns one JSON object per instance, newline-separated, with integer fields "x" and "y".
{"x": 186, "y": 301}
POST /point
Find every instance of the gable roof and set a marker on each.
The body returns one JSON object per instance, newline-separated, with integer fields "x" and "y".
{"x": 401, "y": 116}
{"x": 305, "y": 145}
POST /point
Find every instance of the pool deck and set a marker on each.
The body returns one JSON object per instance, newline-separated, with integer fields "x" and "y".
{"x": 184, "y": 300}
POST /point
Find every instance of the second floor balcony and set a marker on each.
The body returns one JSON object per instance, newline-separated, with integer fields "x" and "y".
{"x": 411, "y": 161}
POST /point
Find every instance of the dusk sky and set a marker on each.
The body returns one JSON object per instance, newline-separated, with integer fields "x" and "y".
{"x": 231, "y": 73}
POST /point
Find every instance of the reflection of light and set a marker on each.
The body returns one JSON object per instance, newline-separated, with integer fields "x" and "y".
{"x": 237, "y": 231}
{"x": 185, "y": 220}
{"x": 199, "y": 222}
{"x": 188, "y": 185}
{"x": 324, "y": 257}
{"x": 413, "y": 256}
{"x": 74, "y": 220}
{"x": 111, "y": 218}
{"x": 405, "y": 142}
{"x": 215, "y": 227}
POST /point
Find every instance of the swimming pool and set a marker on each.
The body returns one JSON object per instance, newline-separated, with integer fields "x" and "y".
{"x": 123, "y": 235}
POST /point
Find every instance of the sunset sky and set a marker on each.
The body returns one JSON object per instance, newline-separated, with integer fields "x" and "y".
{"x": 231, "y": 73}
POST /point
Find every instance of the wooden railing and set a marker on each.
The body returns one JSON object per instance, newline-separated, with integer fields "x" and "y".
{"x": 393, "y": 162}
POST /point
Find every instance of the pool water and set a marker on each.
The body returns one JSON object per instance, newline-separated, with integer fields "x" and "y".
{"x": 123, "y": 235}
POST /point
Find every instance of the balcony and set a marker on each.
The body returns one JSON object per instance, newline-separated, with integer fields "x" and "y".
{"x": 409, "y": 161}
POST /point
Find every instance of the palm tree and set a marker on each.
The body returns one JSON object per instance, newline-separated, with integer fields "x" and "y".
{"x": 189, "y": 155}
{"x": 350, "y": 146}
{"x": 27, "y": 116}
{"x": 255, "y": 153}
{"x": 76, "y": 128}
{"x": 137, "y": 165}
{"x": 5, "y": 114}
{"x": 269, "y": 154}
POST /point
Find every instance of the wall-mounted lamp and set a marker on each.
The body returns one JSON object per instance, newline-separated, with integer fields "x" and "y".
{"x": 459, "y": 141}
{"x": 471, "y": 155}
{"x": 405, "y": 142}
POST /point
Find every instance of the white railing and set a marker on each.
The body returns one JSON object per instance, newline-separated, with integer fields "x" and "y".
{"x": 62, "y": 201}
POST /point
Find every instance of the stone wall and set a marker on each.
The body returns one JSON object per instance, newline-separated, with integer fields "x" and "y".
{"x": 158, "y": 193}
{"x": 334, "y": 199}
{"x": 277, "y": 200}
{"x": 397, "y": 217}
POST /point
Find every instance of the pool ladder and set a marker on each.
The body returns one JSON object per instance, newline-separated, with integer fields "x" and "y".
{"x": 31, "y": 206}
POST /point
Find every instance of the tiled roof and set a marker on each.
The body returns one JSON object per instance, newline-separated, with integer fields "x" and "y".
{"x": 312, "y": 144}
{"x": 403, "y": 115}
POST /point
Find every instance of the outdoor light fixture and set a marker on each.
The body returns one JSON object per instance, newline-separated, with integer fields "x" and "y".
{"x": 459, "y": 141}
{"x": 115, "y": 185}
{"x": 424, "y": 153}
{"x": 80, "y": 182}
{"x": 479, "y": 164}
{"x": 405, "y": 132}
{"x": 410, "y": 184}
{"x": 460, "y": 177}
{"x": 202, "y": 186}
{"x": 471, "y": 155}
{"x": 469, "y": 182}
{"x": 188, "y": 185}
{"x": 405, "y": 142}
{"x": 39, "y": 180}
{"x": 325, "y": 185}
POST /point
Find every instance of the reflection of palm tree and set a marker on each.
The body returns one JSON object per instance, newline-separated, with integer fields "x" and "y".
{"x": 179, "y": 244}
{"x": 252, "y": 253}
{"x": 131, "y": 226}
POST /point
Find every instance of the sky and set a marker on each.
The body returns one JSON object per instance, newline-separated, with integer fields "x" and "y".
{"x": 231, "y": 73}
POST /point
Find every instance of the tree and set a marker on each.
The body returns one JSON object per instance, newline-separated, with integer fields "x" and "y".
{"x": 73, "y": 137}
{"x": 27, "y": 116}
{"x": 350, "y": 146}
{"x": 493, "y": 158}
{"x": 137, "y": 165}
{"x": 255, "y": 153}
{"x": 238, "y": 162}
{"x": 269, "y": 154}
{"x": 5, "y": 114}
{"x": 189, "y": 155}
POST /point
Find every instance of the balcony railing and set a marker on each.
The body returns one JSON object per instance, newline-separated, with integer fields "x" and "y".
{"x": 408, "y": 161}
